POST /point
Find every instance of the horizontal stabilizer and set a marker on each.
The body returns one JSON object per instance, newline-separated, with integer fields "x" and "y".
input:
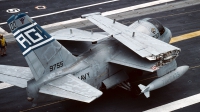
{"x": 74, "y": 34}
{"x": 15, "y": 75}
{"x": 72, "y": 88}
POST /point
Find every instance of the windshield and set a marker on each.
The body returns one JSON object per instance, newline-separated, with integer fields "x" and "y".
{"x": 158, "y": 25}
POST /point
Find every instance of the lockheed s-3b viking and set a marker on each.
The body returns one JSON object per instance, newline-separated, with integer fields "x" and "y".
{"x": 116, "y": 57}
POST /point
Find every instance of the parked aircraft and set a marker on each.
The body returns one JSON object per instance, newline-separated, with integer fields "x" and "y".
{"x": 115, "y": 58}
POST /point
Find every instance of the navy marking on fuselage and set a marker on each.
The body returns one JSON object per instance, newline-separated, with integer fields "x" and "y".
{"x": 85, "y": 76}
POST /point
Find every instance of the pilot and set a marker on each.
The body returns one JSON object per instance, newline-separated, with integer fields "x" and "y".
{"x": 3, "y": 45}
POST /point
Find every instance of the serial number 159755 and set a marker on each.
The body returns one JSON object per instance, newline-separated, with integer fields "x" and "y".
{"x": 56, "y": 66}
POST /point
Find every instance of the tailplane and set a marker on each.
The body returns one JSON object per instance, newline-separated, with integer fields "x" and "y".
{"x": 144, "y": 89}
{"x": 42, "y": 52}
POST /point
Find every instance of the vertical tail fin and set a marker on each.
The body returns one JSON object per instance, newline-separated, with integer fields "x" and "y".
{"x": 144, "y": 90}
{"x": 41, "y": 51}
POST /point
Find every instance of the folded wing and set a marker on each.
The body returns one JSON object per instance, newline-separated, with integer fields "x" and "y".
{"x": 130, "y": 59}
{"x": 15, "y": 75}
{"x": 78, "y": 41}
{"x": 72, "y": 88}
{"x": 74, "y": 34}
{"x": 142, "y": 44}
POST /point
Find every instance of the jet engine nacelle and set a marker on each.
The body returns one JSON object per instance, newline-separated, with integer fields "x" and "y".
{"x": 152, "y": 27}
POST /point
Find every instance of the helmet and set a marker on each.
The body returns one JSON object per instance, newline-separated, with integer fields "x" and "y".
{"x": 1, "y": 35}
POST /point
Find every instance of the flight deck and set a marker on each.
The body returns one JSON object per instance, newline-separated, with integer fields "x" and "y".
{"x": 181, "y": 17}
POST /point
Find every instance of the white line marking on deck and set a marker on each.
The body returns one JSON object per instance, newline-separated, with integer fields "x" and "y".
{"x": 111, "y": 12}
{"x": 75, "y": 8}
{"x": 104, "y": 13}
{"x": 70, "y": 9}
{"x": 177, "y": 104}
{"x": 136, "y": 7}
{"x": 2, "y": 31}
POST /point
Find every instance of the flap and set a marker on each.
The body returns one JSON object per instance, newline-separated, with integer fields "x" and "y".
{"x": 72, "y": 88}
{"x": 127, "y": 58}
{"x": 15, "y": 75}
{"x": 74, "y": 34}
{"x": 142, "y": 44}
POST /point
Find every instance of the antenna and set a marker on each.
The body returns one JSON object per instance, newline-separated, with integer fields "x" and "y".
{"x": 133, "y": 34}
{"x": 70, "y": 31}
{"x": 91, "y": 31}
{"x": 114, "y": 21}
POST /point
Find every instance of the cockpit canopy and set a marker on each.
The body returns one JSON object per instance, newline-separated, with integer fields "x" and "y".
{"x": 149, "y": 26}
{"x": 153, "y": 28}
{"x": 158, "y": 25}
